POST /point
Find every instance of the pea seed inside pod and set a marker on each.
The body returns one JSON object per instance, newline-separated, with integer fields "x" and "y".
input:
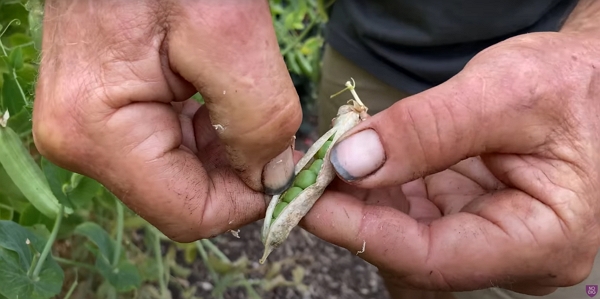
{"x": 316, "y": 165}
{"x": 291, "y": 194}
{"x": 277, "y": 230}
{"x": 303, "y": 180}
{"x": 323, "y": 150}
{"x": 280, "y": 206}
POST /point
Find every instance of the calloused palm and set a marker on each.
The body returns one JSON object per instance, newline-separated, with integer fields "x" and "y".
{"x": 460, "y": 222}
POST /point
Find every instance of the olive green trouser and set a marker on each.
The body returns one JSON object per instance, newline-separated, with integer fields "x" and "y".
{"x": 378, "y": 96}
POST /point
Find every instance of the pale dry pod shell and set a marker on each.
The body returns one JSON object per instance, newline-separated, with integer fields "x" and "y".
{"x": 275, "y": 233}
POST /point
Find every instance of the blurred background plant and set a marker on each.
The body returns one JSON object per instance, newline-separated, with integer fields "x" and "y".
{"x": 63, "y": 235}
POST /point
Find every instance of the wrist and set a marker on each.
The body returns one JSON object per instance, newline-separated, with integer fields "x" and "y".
{"x": 584, "y": 20}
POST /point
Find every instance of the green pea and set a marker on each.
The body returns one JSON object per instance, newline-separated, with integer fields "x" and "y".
{"x": 278, "y": 208}
{"x": 291, "y": 194}
{"x": 316, "y": 166}
{"x": 323, "y": 150}
{"x": 305, "y": 178}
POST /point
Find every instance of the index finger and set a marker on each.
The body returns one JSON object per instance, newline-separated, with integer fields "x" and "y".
{"x": 229, "y": 51}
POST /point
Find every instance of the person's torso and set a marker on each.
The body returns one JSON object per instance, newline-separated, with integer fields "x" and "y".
{"x": 430, "y": 40}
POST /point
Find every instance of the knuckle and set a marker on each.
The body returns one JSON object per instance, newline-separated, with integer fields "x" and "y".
{"x": 55, "y": 132}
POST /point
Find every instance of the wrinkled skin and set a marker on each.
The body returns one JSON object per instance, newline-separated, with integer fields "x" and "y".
{"x": 112, "y": 103}
{"x": 521, "y": 213}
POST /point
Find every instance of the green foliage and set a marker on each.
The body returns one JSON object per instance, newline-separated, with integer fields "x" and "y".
{"x": 297, "y": 27}
{"x": 64, "y": 235}
{"x": 19, "y": 255}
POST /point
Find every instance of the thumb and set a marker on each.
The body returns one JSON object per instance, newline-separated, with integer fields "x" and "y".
{"x": 468, "y": 115}
{"x": 228, "y": 50}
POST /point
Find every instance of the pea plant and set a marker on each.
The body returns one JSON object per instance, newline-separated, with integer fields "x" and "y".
{"x": 64, "y": 235}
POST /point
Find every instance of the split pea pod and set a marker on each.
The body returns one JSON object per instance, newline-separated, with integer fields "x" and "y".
{"x": 314, "y": 173}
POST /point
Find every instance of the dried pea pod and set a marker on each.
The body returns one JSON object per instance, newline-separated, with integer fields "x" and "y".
{"x": 314, "y": 173}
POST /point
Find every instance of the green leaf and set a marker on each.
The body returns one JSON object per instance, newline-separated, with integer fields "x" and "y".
{"x": 292, "y": 63}
{"x": 6, "y": 212}
{"x": 10, "y": 12}
{"x": 81, "y": 195}
{"x": 32, "y": 216}
{"x": 99, "y": 237}
{"x": 15, "y": 260}
{"x": 125, "y": 277}
{"x": 291, "y": 22}
{"x": 3, "y": 66}
{"x": 11, "y": 95}
{"x": 304, "y": 64}
{"x": 25, "y": 43}
{"x": 27, "y": 76}
{"x": 322, "y": 10}
{"x": 19, "y": 39}
{"x": 59, "y": 180}
{"x": 311, "y": 45}
{"x": 16, "y": 204}
{"x": 21, "y": 122}
{"x": 16, "y": 58}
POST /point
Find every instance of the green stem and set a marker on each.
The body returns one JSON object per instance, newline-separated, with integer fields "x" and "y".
{"x": 13, "y": 73}
{"x": 161, "y": 267}
{"x": 119, "y": 239}
{"x": 49, "y": 243}
{"x": 75, "y": 264}
{"x": 36, "y": 258}
{"x": 212, "y": 247}
{"x": 73, "y": 286}
{"x": 295, "y": 42}
{"x": 215, "y": 250}
{"x": 250, "y": 288}
{"x": 204, "y": 256}
{"x": 4, "y": 31}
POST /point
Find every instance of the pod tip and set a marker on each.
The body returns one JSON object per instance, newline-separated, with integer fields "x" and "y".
{"x": 268, "y": 250}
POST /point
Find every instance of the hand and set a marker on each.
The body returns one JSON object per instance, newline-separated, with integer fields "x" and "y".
{"x": 521, "y": 212}
{"x": 112, "y": 103}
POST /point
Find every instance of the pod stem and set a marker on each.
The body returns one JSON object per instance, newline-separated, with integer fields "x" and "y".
{"x": 351, "y": 87}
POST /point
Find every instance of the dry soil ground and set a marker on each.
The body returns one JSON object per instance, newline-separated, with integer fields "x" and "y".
{"x": 330, "y": 271}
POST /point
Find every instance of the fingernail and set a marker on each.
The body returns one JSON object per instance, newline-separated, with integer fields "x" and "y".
{"x": 278, "y": 175}
{"x": 358, "y": 155}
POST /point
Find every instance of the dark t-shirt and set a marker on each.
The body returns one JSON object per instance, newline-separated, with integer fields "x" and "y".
{"x": 416, "y": 44}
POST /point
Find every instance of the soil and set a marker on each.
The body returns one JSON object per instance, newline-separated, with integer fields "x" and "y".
{"x": 330, "y": 271}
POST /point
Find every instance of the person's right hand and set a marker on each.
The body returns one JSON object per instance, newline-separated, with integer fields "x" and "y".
{"x": 522, "y": 212}
{"x": 111, "y": 104}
